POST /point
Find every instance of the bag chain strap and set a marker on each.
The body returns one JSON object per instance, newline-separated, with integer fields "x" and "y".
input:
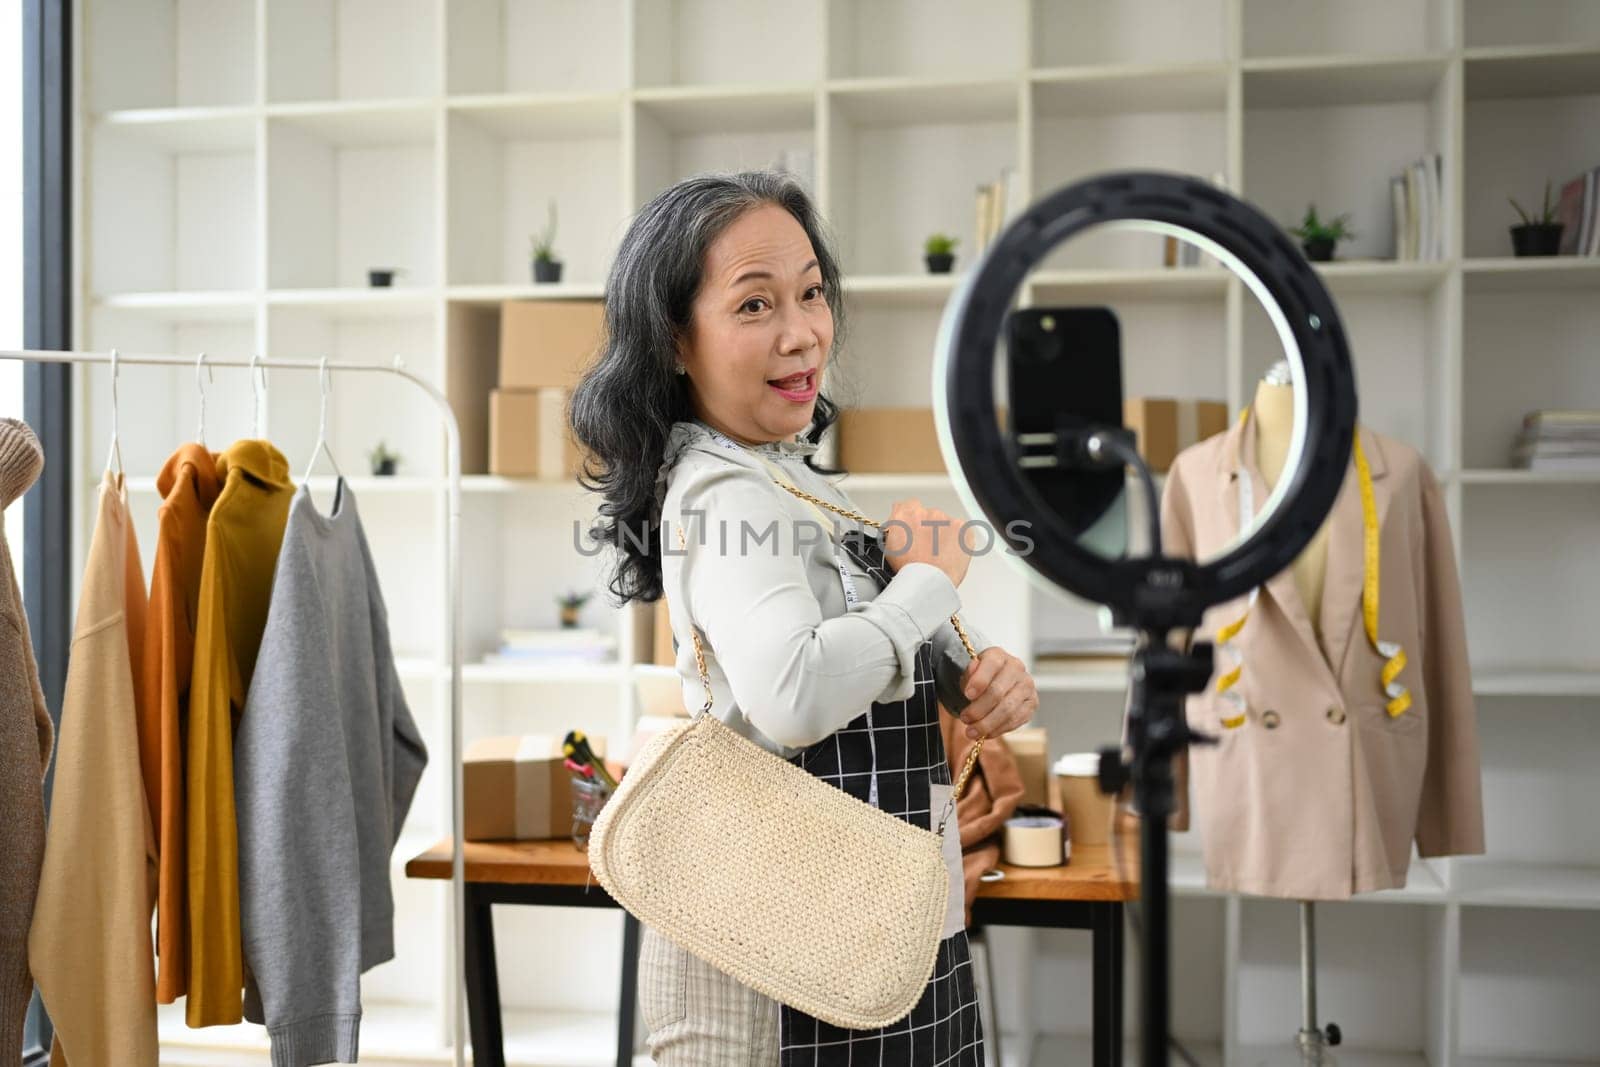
{"x": 705, "y": 680}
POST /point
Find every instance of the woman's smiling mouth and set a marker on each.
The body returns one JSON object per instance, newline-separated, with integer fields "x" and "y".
{"x": 799, "y": 388}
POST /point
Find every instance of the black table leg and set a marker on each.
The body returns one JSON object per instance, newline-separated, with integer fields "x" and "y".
{"x": 1106, "y": 924}
{"x": 483, "y": 982}
{"x": 630, "y": 989}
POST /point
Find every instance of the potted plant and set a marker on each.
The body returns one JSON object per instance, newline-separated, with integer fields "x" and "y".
{"x": 383, "y": 460}
{"x": 1318, "y": 238}
{"x": 939, "y": 251}
{"x": 382, "y": 277}
{"x": 546, "y": 268}
{"x": 571, "y": 603}
{"x": 1538, "y": 235}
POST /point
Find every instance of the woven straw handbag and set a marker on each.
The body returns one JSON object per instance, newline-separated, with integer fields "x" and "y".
{"x": 783, "y": 881}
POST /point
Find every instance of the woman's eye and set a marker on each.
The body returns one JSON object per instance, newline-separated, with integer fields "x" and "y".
{"x": 817, "y": 289}
{"x": 753, "y": 300}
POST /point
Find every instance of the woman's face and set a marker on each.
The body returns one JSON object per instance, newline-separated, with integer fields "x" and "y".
{"x": 760, "y": 318}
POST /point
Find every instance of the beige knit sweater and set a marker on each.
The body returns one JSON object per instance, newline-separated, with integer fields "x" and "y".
{"x": 25, "y": 738}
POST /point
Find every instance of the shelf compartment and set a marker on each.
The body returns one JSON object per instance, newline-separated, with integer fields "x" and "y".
{"x": 531, "y": 46}
{"x": 682, "y": 133}
{"x": 907, "y": 38}
{"x": 904, "y": 101}
{"x": 362, "y": 408}
{"x": 344, "y": 197}
{"x": 1512, "y": 147}
{"x": 351, "y": 49}
{"x": 194, "y": 227}
{"x": 1128, "y": 32}
{"x": 1081, "y": 91}
{"x": 1531, "y": 274}
{"x": 723, "y": 42}
{"x": 1530, "y": 24}
{"x": 193, "y": 53}
{"x": 1390, "y": 1014}
{"x": 1528, "y": 985}
{"x": 1520, "y": 72}
{"x": 1338, "y": 27}
{"x": 1523, "y": 351}
{"x": 506, "y": 167}
{"x": 1342, "y": 80}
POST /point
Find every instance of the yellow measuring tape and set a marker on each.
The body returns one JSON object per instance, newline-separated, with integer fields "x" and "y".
{"x": 1399, "y": 697}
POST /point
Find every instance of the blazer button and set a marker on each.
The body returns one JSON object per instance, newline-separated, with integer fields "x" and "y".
{"x": 1336, "y": 715}
{"x": 1269, "y": 719}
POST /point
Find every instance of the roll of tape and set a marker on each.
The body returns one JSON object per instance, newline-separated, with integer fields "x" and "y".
{"x": 1036, "y": 840}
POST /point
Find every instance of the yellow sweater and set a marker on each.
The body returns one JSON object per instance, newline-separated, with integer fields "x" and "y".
{"x": 89, "y": 944}
{"x": 243, "y": 536}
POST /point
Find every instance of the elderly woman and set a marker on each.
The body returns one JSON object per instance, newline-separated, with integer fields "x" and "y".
{"x": 826, "y": 645}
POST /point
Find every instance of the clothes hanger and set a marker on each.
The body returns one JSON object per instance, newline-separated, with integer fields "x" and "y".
{"x": 258, "y": 387}
{"x": 115, "y": 452}
{"x": 200, "y": 387}
{"x": 324, "y": 381}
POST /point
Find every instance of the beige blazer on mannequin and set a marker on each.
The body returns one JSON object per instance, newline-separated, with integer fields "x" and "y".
{"x": 1320, "y": 792}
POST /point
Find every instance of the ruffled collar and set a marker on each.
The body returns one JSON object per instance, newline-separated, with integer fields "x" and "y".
{"x": 691, "y": 433}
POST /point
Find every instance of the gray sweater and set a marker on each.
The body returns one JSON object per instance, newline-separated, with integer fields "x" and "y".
{"x": 326, "y": 760}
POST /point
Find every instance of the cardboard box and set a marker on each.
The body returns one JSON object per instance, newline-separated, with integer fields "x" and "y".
{"x": 529, "y": 436}
{"x": 546, "y": 343}
{"x": 663, "y": 654}
{"x": 518, "y": 789}
{"x": 889, "y": 441}
{"x": 1166, "y": 426}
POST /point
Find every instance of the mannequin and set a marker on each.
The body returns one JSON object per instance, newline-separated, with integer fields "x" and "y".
{"x": 1274, "y": 411}
{"x": 1274, "y": 419}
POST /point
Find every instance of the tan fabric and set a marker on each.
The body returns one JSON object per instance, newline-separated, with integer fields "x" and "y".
{"x": 989, "y": 799}
{"x": 188, "y": 485}
{"x": 1328, "y": 803}
{"x": 90, "y": 941}
{"x": 25, "y": 740}
{"x": 697, "y": 1016}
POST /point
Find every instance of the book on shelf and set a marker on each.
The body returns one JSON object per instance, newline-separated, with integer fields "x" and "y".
{"x": 1558, "y": 441}
{"x": 996, "y": 203}
{"x": 1576, "y": 210}
{"x": 1417, "y": 200}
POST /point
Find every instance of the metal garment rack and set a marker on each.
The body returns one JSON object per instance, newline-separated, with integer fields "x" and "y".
{"x": 453, "y": 555}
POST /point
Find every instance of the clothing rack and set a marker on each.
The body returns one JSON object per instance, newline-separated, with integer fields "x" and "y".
{"x": 116, "y": 359}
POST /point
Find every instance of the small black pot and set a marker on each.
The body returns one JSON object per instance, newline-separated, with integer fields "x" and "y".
{"x": 940, "y": 262}
{"x": 384, "y": 468}
{"x": 546, "y": 270}
{"x": 1319, "y": 249}
{"x": 1536, "y": 239}
{"x": 380, "y": 279}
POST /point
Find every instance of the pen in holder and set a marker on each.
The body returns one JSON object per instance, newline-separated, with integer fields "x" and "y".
{"x": 588, "y": 797}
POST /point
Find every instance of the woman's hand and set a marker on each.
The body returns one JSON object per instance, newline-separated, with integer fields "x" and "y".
{"x": 934, "y": 537}
{"x": 1003, "y": 693}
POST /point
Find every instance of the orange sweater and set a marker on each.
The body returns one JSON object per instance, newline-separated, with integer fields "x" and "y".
{"x": 243, "y": 536}
{"x": 188, "y": 485}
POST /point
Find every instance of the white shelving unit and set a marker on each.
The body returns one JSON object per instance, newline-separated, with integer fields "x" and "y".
{"x": 244, "y": 162}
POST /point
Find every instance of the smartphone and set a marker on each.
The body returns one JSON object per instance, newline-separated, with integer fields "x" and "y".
{"x": 1065, "y": 376}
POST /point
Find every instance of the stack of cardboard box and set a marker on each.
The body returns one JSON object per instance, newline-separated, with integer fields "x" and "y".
{"x": 544, "y": 344}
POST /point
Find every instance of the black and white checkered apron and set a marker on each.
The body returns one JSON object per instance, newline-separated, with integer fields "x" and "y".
{"x": 888, "y": 757}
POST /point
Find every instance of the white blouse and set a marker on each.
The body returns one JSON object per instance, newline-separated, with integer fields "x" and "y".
{"x": 790, "y": 658}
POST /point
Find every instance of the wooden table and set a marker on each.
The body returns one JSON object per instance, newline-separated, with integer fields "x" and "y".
{"x": 1086, "y": 895}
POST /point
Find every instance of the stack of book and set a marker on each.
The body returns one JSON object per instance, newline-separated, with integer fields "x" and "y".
{"x": 563, "y": 647}
{"x": 1576, "y": 211}
{"x": 1419, "y": 210}
{"x": 1559, "y": 441}
{"x": 997, "y": 202}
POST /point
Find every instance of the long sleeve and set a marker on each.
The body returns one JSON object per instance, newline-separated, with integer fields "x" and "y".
{"x": 216, "y": 972}
{"x": 299, "y": 856}
{"x": 89, "y": 943}
{"x": 1450, "y": 819}
{"x": 796, "y": 676}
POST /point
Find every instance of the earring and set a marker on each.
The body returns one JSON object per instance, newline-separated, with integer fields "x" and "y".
{"x": 681, "y": 369}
